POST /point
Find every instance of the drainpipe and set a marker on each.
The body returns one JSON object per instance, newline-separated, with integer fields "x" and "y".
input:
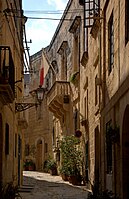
{"x": 100, "y": 76}
{"x": 119, "y": 43}
{"x": 104, "y": 60}
{"x": 114, "y": 111}
{"x": 103, "y": 85}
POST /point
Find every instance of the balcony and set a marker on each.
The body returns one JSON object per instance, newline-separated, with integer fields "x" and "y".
{"x": 6, "y": 75}
{"x": 58, "y": 98}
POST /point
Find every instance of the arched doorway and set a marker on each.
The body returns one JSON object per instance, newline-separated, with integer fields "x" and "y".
{"x": 39, "y": 156}
{"x": 125, "y": 154}
{"x": 1, "y": 146}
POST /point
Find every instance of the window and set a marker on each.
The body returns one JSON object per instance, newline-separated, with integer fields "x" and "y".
{"x": 53, "y": 136}
{"x": 76, "y": 120}
{"x": 75, "y": 30}
{"x": 96, "y": 91}
{"x": 91, "y": 8}
{"x": 108, "y": 148}
{"x": 46, "y": 147}
{"x": 111, "y": 43}
{"x": 63, "y": 53}
{"x": 87, "y": 160}
{"x": 76, "y": 47}
{"x": 64, "y": 66}
{"x": 86, "y": 40}
{"x": 86, "y": 105}
{"x": 126, "y": 21}
{"x": 7, "y": 139}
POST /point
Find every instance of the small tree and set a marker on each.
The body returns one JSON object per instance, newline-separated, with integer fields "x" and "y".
{"x": 71, "y": 155}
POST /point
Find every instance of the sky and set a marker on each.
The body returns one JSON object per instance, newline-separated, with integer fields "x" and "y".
{"x": 41, "y": 31}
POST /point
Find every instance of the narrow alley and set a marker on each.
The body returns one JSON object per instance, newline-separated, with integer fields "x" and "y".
{"x": 38, "y": 185}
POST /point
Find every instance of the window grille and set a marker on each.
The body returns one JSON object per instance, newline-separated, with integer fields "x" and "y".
{"x": 91, "y": 9}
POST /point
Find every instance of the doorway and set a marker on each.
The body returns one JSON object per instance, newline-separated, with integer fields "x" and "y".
{"x": 97, "y": 155}
{"x": 125, "y": 154}
{"x": 39, "y": 156}
{"x": 1, "y": 147}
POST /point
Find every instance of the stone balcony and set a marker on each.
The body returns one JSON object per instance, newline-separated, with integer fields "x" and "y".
{"x": 58, "y": 98}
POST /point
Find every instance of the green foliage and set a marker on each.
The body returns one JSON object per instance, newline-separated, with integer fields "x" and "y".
{"x": 8, "y": 191}
{"x": 71, "y": 155}
{"x": 73, "y": 77}
{"x": 51, "y": 164}
{"x": 29, "y": 162}
{"x": 99, "y": 194}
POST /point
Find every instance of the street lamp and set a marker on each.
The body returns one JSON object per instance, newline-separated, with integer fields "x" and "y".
{"x": 38, "y": 93}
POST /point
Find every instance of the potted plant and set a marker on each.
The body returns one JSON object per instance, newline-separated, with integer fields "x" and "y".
{"x": 29, "y": 165}
{"x": 52, "y": 166}
{"x": 71, "y": 158}
{"x": 64, "y": 171}
{"x": 26, "y": 165}
{"x": 97, "y": 193}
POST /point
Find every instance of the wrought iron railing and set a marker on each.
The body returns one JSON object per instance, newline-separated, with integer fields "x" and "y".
{"x": 7, "y": 70}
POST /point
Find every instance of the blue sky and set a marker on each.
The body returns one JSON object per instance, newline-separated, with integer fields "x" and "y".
{"x": 40, "y": 31}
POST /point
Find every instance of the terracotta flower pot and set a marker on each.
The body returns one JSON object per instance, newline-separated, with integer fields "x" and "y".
{"x": 64, "y": 177}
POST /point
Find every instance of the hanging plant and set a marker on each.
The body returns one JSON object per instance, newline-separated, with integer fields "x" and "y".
{"x": 78, "y": 133}
{"x": 74, "y": 77}
{"x": 83, "y": 122}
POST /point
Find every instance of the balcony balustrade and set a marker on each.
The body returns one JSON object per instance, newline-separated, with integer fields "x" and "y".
{"x": 58, "y": 98}
{"x": 7, "y": 76}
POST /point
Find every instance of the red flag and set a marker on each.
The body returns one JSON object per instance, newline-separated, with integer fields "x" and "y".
{"x": 41, "y": 76}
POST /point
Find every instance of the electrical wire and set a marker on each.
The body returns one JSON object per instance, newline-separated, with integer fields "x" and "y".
{"x": 46, "y": 18}
{"x": 49, "y": 11}
{"x": 24, "y": 64}
{"x": 8, "y": 21}
{"x": 52, "y": 12}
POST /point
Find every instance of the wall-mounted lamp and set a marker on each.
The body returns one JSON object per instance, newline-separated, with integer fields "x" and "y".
{"x": 38, "y": 94}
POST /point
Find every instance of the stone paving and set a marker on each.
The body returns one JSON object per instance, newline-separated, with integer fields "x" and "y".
{"x": 38, "y": 185}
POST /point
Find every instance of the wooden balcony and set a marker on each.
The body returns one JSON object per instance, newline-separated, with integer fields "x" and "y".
{"x": 6, "y": 75}
{"x": 58, "y": 98}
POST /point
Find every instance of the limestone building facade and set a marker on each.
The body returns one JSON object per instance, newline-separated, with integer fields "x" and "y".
{"x": 89, "y": 87}
{"x": 114, "y": 114}
{"x": 105, "y": 95}
{"x": 11, "y": 90}
{"x": 38, "y": 135}
{"x": 87, "y": 84}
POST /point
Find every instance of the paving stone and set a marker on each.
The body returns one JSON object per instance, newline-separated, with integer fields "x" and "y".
{"x": 45, "y": 186}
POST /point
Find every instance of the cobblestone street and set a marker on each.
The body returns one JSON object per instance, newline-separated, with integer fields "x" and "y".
{"x": 37, "y": 185}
